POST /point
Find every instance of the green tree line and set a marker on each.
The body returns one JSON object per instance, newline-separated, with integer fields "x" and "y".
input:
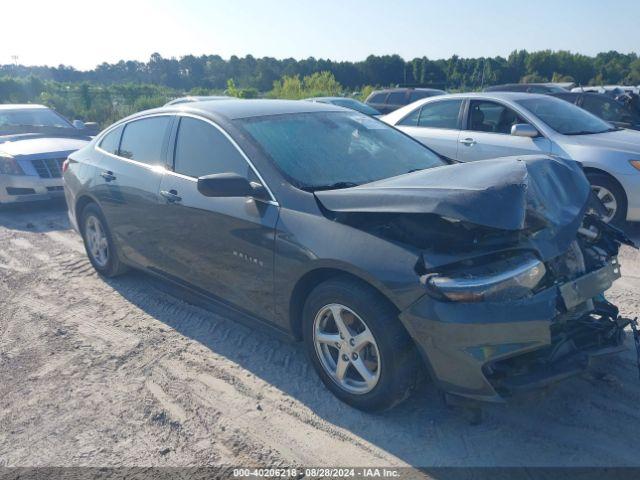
{"x": 112, "y": 91}
{"x": 212, "y": 71}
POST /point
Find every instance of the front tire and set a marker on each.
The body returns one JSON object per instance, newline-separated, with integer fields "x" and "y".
{"x": 358, "y": 346}
{"x": 98, "y": 242}
{"x": 612, "y": 197}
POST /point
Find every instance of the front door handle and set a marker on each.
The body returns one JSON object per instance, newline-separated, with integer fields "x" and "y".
{"x": 469, "y": 142}
{"x": 108, "y": 176}
{"x": 171, "y": 196}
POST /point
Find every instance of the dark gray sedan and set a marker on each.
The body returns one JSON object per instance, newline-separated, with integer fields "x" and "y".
{"x": 339, "y": 230}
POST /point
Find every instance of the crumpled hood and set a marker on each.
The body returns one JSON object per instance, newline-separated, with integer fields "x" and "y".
{"x": 624, "y": 140}
{"x": 26, "y": 145}
{"x": 511, "y": 193}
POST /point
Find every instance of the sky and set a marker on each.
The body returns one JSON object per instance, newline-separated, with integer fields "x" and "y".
{"x": 85, "y": 33}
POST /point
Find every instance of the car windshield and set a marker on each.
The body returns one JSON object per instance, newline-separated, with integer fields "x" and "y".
{"x": 32, "y": 117}
{"x": 355, "y": 105}
{"x": 565, "y": 117}
{"x": 328, "y": 150}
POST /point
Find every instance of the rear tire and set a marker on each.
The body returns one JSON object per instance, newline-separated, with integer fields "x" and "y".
{"x": 392, "y": 362}
{"x": 98, "y": 242}
{"x": 612, "y": 195}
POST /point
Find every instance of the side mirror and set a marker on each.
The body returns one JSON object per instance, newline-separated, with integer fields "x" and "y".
{"x": 524, "y": 130}
{"x": 79, "y": 125}
{"x": 228, "y": 185}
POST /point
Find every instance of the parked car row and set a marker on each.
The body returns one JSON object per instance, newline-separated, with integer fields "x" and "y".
{"x": 388, "y": 258}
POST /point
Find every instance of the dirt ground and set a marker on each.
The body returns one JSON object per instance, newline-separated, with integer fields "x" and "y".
{"x": 98, "y": 372}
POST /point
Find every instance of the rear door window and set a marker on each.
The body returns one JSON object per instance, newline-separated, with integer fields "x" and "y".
{"x": 143, "y": 140}
{"x": 411, "y": 120}
{"x": 202, "y": 149}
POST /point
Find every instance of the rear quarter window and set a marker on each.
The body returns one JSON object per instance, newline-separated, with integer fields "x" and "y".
{"x": 111, "y": 141}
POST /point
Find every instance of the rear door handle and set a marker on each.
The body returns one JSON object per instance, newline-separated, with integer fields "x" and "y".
{"x": 469, "y": 142}
{"x": 108, "y": 176}
{"x": 171, "y": 196}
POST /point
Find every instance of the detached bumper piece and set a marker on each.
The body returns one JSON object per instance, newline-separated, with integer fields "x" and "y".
{"x": 573, "y": 346}
{"x": 590, "y": 285}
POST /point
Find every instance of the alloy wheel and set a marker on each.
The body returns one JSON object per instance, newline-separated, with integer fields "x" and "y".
{"x": 608, "y": 201}
{"x": 347, "y": 349}
{"x": 97, "y": 242}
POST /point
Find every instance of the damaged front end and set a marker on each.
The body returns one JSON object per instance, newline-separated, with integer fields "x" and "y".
{"x": 497, "y": 325}
{"x": 513, "y": 266}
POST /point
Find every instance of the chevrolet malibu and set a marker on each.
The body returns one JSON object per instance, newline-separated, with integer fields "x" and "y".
{"x": 34, "y": 141}
{"x": 341, "y": 231}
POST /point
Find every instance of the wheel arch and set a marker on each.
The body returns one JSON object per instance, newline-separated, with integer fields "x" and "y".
{"x": 81, "y": 203}
{"x": 310, "y": 280}
{"x": 598, "y": 171}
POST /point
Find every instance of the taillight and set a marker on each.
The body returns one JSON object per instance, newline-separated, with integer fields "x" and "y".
{"x": 65, "y": 165}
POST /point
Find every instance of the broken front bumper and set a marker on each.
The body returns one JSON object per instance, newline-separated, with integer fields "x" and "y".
{"x": 489, "y": 350}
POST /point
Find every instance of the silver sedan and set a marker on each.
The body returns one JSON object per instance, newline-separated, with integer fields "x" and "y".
{"x": 480, "y": 126}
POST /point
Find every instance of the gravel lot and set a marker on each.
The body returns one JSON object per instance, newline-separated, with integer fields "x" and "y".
{"x": 98, "y": 372}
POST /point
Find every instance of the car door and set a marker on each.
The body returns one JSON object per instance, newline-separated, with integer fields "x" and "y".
{"x": 127, "y": 183}
{"x": 436, "y": 124}
{"x": 487, "y": 133}
{"x": 223, "y": 246}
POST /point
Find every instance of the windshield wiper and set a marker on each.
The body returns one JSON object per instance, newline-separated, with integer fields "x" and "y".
{"x": 333, "y": 186}
{"x": 589, "y": 132}
{"x": 582, "y": 132}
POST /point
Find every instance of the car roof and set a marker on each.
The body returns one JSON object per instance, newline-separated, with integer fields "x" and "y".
{"x": 510, "y": 96}
{"x": 329, "y": 98}
{"x": 400, "y": 113}
{"x": 21, "y": 106}
{"x": 404, "y": 89}
{"x": 197, "y": 98}
{"x": 246, "y": 108}
{"x": 537, "y": 84}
